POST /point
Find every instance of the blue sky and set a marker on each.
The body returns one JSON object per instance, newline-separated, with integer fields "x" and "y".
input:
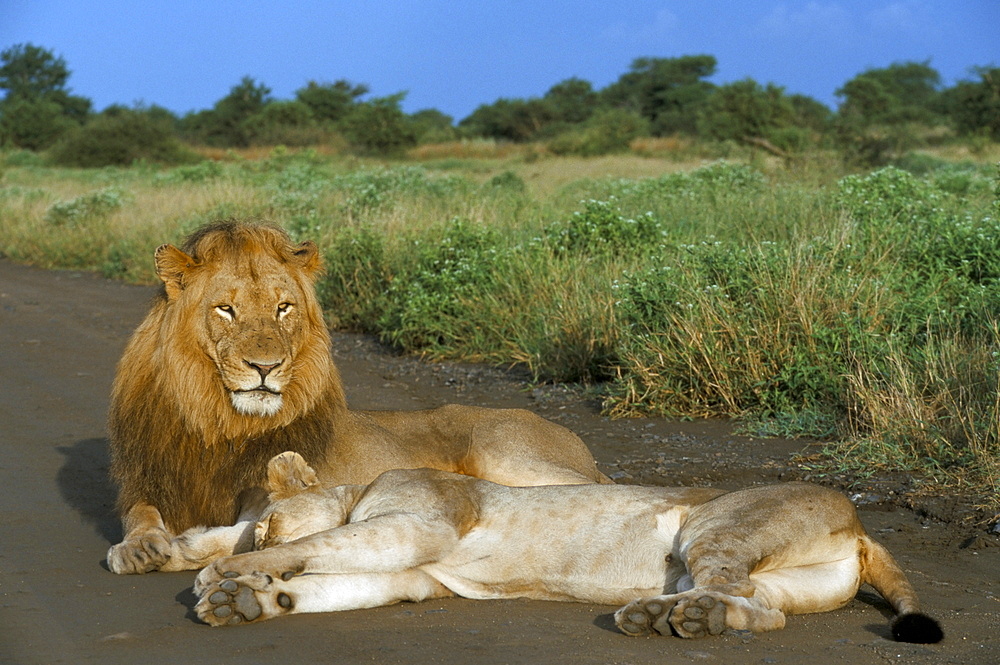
{"x": 457, "y": 54}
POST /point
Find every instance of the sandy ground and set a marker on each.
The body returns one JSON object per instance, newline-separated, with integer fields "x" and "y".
{"x": 60, "y": 336}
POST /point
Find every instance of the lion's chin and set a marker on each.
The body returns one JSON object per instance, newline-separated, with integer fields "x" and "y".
{"x": 256, "y": 402}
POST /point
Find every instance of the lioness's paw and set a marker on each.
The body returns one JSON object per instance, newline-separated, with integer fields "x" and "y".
{"x": 646, "y": 616}
{"x": 142, "y": 554}
{"x": 243, "y": 599}
{"x": 698, "y": 616}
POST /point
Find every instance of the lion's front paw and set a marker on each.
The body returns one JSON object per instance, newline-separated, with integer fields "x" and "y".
{"x": 645, "y": 616}
{"x": 140, "y": 554}
{"x": 242, "y": 599}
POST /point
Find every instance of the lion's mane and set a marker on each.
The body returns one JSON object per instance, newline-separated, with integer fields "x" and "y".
{"x": 177, "y": 443}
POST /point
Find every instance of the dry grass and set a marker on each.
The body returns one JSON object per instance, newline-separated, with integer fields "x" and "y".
{"x": 547, "y": 176}
{"x": 939, "y": 413}
{"x": 474, "y": 149}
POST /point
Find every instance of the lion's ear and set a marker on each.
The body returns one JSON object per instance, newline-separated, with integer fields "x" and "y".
{"x": 288, "y": 474}
{"x": 306, "y": 255}
{"x": 171, "y": 266}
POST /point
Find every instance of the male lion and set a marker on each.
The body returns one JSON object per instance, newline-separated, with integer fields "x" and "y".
{"x": 698, "y": 560}
{"x": 232, "y": 366}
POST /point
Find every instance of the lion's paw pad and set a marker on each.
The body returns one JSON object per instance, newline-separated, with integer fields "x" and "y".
{"x": 644, "y": 617}
{"x": 699, "y": 617}
{"x": 232, "y": 603}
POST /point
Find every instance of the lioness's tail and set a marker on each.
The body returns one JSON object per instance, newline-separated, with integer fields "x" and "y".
{"x": 882, "y": 572}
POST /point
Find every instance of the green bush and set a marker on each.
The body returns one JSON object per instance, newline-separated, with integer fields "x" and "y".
{"x": 354, "y": 290}
{"x": 607, "y": 131}
{"x": 33, "y": 124}
{"x": 601, "y": 228}
{"x": 119, "y": 139}
{"x": 427, "y": 303}
{"x": 86, "y": 208}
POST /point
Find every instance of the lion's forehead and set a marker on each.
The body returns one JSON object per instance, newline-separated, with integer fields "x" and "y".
{"x": 249, "y": 288}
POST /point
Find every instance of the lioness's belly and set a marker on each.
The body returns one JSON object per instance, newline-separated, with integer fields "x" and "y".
{"x": 596, "y": 544}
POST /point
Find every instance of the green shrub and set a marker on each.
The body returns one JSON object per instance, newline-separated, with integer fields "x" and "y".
{"x": 367, "y": 191}
{"x": 354, "y": 290}
{"x": 118, "y": 139}
{"x": 86, "y": 208}
{"x": 600, "y": 228}
{"x": 507, "y": 182}
{"x": 200, "y": 172}
{"x": 427, "y": 303}
{"x": 607, "y": 131}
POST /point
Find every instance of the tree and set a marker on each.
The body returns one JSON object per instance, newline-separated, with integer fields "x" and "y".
{"x": 32, "y": 124}
{"x": 331, "y": 102}
{"x": 379, "y": 126}
{"x": 37, "y": 108}
{"x": 811, "y": 113}
{"x": 669, "y": 92}
{"x": 748, "y": 112}
{"x": 225, "y": 124}
{"x": 974, "y": 106}
{"x": 31, "y": 72}
{"x": 433, "y": 126}
{"x": 289, "y": 123}
{"x": 605, "y": 131}
{"x": 901, "y": 92}
{"x": 572, "y": 100}
{"x": 510, "y": 119}
{"x": 119, "y": 136}
{"x": 882, "y": 108}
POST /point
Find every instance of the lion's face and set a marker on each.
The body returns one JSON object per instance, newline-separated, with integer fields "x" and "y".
{"x": 250, "y": 328}
{"x": 248, "y": 308}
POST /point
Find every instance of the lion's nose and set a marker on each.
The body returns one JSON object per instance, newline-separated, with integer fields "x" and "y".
{"x": 263, "y": 368}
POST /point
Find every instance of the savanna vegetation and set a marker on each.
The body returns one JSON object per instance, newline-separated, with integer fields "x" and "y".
{"x": 833, "y": 275}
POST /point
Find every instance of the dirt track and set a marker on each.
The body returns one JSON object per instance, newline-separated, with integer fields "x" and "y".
{"x": 60, "y": 337}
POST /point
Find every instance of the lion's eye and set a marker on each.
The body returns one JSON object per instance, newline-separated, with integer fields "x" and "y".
{"x": 283, "y": 309}
{"x": 225, "y": 311}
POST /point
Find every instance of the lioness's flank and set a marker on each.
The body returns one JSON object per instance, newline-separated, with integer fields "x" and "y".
{"x": 232, "y": 366}
{"x": 684, "y": 561}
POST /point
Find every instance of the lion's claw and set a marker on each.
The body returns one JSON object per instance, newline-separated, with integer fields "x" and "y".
{"x": 144, "y": 554}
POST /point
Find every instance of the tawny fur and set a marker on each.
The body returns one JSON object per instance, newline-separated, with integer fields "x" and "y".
{"x": 686, "y": 561}
{"x": 241, "y": 294}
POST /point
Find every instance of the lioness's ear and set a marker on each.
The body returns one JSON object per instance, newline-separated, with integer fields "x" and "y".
{"x": 307, "y": 256}
{"x": 288, "y": 474}
{"x": 171, "y": 266}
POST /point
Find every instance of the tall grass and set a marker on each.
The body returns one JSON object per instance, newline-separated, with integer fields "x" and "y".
{"x": 859, "y": 307}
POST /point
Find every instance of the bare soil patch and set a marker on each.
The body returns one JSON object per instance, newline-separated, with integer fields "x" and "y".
{"x": 61, "y": 333}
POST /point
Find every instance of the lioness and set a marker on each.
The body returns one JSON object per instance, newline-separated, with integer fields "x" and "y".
{"x": 699, "y": 561}
{"x": 232, "y": 366}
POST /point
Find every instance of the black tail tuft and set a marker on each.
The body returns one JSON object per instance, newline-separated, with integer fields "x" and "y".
{"x": 916, "y": 628}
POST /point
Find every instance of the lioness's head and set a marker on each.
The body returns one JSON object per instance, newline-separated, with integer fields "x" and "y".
{"x": 241, "y": 296}
{"x": 298, "y": 504}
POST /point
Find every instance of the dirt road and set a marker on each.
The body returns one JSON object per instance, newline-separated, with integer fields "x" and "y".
{"x": 60, "y": 336}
